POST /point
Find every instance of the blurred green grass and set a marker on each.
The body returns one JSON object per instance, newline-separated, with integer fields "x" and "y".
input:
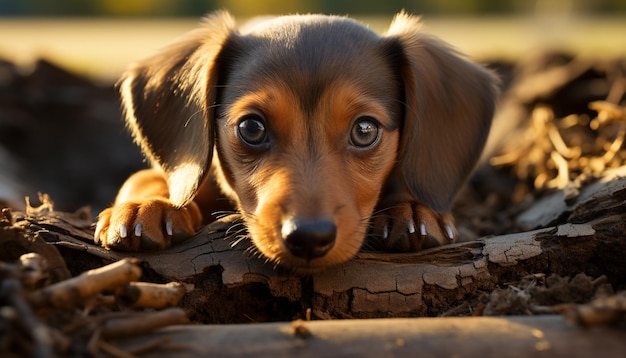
{"x": 102, "y": 48}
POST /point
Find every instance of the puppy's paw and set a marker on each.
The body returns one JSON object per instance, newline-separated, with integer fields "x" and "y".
{"x": 152, "y": 224}
{"x": 412, "y": 226}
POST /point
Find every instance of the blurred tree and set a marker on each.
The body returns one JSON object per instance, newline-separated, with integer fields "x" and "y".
{"x": 247, "y": 8}
{"x": 342, "y": 7}
{"x": 136, "y": 7}
{"x": 51, "y": 7}
{"x": 611, "y": 6}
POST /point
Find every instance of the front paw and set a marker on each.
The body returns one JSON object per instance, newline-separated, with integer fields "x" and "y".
{"x": 412, "y": 226}
{"x": 151, "y": 224}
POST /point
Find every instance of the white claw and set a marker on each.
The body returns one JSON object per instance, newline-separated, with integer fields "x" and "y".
{"x": 411, "y": 227}
{"x": 423, "y": 231}
{"x": 138, "y": 230}
{"x": 96, "y": 234}
{"x": 449, "y": 231}
{"x": 123, "y": 231}
{"x": 169, "y": 228}
{"x": 385, "y": 232}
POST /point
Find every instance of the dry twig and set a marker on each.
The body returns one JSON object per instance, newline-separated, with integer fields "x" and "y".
{"x": 151, "y": 295}
{"x": 69, "y": 293}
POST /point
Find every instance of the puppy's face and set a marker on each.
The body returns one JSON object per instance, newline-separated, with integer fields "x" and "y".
{"x": 307, "y": 132}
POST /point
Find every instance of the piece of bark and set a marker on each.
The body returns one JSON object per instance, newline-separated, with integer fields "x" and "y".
{"x": 603, "y": 198}
{"x": 16, "y": 241}
{"x": 546, "y": 336}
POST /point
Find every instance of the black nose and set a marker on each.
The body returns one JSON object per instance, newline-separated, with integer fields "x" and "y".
{"x": 309, "y": 239}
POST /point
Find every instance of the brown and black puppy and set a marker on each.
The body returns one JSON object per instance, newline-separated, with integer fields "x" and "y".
{"x": 320, "y": 131}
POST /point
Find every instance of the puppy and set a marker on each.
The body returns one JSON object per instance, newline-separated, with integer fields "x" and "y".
{"x": 319, "y": 130}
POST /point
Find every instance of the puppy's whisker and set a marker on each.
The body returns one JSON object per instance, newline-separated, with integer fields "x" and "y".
{"x": 253, "y": 252}
{"x": 388, "y": 208}
{"x": 192, "y": 116}
{"x": 223, "y": 213}
{"x": 273, "y": 262}
{"x": 410, "y": 109}
{"x": 240, "y": 238}
{"x": 229, "y": 86}
{"x": 235, "y": 231}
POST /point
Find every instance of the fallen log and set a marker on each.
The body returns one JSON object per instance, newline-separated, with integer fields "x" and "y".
{"x": 226, "y": 285}
{"x": 547, "y": 336}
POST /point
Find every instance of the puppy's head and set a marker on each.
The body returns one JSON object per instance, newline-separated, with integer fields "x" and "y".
{"x": 309, "y": 117}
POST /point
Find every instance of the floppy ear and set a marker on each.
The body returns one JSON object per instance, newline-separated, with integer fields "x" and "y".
{"x": 449, "y": 105}
{"x": 168, "y": 102}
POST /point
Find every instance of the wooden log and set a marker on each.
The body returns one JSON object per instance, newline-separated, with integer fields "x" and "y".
{"x": 545, "y": 336}
{"x": 227, "y": 286}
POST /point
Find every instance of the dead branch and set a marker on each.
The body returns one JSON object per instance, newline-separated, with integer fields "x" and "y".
{"x": 151, "y": 295}
{"x": 67, "y": 294}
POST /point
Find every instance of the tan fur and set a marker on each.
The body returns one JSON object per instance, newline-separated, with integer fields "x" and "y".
{"x": 309, "y": 80}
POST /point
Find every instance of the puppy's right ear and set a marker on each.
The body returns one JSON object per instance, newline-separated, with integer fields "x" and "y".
{"x": 168, "y": 101}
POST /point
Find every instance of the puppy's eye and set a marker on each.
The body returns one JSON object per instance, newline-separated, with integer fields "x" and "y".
{"x": 365, "y": 132}
{"x": 252, "y": 130}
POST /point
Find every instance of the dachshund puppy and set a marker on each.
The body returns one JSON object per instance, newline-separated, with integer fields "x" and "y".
{"x": 321, "y": 131}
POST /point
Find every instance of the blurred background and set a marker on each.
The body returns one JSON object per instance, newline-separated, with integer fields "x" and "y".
{"x": 100, "y": 37}
{"x": 255, "y": 7}
{"x": 60, "y": 126}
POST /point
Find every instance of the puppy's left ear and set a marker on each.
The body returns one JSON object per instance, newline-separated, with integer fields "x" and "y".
{"x": 449, "y": 106}
{"x": 169, "y": 102}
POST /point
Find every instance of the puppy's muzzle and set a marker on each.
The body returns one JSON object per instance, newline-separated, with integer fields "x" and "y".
{"x": 309, "y": 239}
